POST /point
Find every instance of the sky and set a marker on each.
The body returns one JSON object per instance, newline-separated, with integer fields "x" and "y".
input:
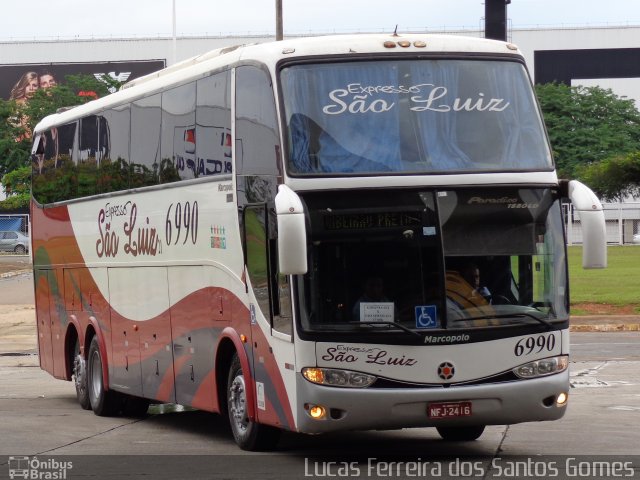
{"x": 42, "y": 19}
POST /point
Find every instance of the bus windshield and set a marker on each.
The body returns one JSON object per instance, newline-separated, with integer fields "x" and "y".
{"x": 434, "y": 259}
{"x": 412, "y": 117}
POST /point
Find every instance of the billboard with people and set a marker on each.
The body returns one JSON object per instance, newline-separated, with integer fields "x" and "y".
{"x": 20, "y": 81}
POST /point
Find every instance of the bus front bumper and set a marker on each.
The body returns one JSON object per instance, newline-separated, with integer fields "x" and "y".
{"x": 392, "y": 408}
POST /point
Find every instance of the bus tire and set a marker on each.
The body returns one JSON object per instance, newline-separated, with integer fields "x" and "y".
{"x": 461, "y": 434}
{"x": 249, "y": 435}
{"x": 104, "y": 403}
{"x": 80, "y": 378}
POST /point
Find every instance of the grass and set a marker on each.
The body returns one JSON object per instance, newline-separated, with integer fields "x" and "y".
{"x": 617, "y": 285}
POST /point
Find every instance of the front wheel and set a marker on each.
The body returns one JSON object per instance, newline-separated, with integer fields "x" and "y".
{"x": 460, "y": 434}
{"x": 104, "y": 403}
{"x": 249, "y": 435}
{"x": 20, "y": 250}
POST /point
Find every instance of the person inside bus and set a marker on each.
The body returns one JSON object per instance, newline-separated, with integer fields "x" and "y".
{"x": 471, "y": 274}
{"x": 373, "y": 293}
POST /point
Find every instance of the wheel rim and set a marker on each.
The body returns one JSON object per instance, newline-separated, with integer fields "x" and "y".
{"x": 95, "y": 376}
{"x": 80, "y": 372}
{"x": 238, "y": 404}
{"x": 20, "y": 249}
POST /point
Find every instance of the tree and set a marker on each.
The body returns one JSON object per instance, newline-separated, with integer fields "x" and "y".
{"x": 17, "y": 185}
{"x": 587, "y": 125}
{"x": 614, "y": 178}
{"x": 18, "y": 121}
{"x": 14, "y": 144}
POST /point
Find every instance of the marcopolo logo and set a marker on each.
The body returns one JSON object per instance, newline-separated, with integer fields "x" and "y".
{"x": 436, "y": 339}
{"x": 36, "y": 469}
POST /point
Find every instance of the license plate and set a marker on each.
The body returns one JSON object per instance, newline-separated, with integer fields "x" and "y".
{"x": 449, "y": 409}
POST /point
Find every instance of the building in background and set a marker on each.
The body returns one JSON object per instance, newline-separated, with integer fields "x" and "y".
{"x": 607, "y": 56}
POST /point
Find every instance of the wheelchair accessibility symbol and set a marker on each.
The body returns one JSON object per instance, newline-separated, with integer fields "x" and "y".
{"x": 426, "y": 316}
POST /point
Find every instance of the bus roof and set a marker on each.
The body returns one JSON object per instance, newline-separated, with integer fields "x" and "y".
{"x": 271, "y": 53}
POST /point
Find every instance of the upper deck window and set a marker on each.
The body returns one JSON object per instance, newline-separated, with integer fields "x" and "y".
{"x": 412, "y": 117}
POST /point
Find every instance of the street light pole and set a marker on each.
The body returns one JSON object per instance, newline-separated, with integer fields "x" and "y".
{"x": 175, "y": 45}
{"x": 279, "y": 30}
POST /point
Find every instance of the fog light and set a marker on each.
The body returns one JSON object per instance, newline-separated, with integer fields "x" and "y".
{"x": 562, "y": 399}
{"x": 316, "y": 411}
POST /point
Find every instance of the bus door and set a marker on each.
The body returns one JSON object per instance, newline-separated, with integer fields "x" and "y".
{"x": 271, "y": 312}
{"x": 141, "y": 332}
{"x": 156, "y": 343}
{"x": 197, "y": 318}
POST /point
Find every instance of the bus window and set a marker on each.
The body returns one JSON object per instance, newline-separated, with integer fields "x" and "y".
{"x": 503, "y": 255}
{"x": 113, "y": 173}
{"x": 178, "y": 154}
{"x": 255, "y": 238}
{"x": 213, "y": 125}
{"x": 257, "y": 137}
{"x": 431, "y": 115}
{"x": 55, "y": 178}
{"x": 280, "y": 285}
{"x": 87, "y": 161}
{"x": 145, "y": 141}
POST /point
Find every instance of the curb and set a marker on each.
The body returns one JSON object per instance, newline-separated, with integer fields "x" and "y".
{"x": 15, "y": 273}
{"x": 606, "y": 327}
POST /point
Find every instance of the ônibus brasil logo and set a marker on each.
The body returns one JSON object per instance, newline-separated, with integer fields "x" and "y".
{"x": 34, "y": 468}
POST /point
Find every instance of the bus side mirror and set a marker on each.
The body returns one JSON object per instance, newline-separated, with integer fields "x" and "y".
{"x": 594, "y": 234}
{"x": 292, "y": 232}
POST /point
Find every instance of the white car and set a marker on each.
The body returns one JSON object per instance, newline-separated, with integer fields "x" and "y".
{"x": 12, "y": 241}
{"x": 636, "y": 238}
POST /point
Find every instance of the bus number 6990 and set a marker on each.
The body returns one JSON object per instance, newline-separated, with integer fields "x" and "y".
{"x": 535, "y": 344}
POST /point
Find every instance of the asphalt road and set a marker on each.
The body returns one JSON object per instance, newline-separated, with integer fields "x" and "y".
{"x": 39, "y": 417}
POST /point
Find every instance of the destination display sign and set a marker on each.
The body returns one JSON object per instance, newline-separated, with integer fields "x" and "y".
{"x": 364, "y": 221}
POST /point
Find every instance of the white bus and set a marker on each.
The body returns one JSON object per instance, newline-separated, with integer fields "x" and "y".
{"x": 319, "y": 234}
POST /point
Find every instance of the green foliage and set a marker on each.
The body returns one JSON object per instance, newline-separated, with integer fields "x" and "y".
{"x": 15, "y": 202}
{"x": 14, "y": 143}
{"x": 614, "y": 178}
{"x": 17, "y": 187}
{"x": 587, "y": 125}
{"x": 17, "y": 181}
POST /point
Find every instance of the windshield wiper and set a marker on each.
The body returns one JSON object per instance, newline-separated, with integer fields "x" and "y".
{"x": 509, "y": 315}
{"x": 388, "y": 324}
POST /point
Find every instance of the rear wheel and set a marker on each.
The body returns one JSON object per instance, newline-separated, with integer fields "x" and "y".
{"x": 104, "y": 403}
{"x": 461, "y": 434}
{"x": 248, "y": 434}
{"x": 80, "y": 378}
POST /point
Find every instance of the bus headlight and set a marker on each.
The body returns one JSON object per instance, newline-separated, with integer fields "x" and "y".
{"x": 540, "y": 368}
{"x": 338, "y": 378}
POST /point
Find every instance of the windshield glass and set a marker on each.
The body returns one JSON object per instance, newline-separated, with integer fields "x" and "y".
{"x": 431, "y": 260}
{"x": 412, "y": 117}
